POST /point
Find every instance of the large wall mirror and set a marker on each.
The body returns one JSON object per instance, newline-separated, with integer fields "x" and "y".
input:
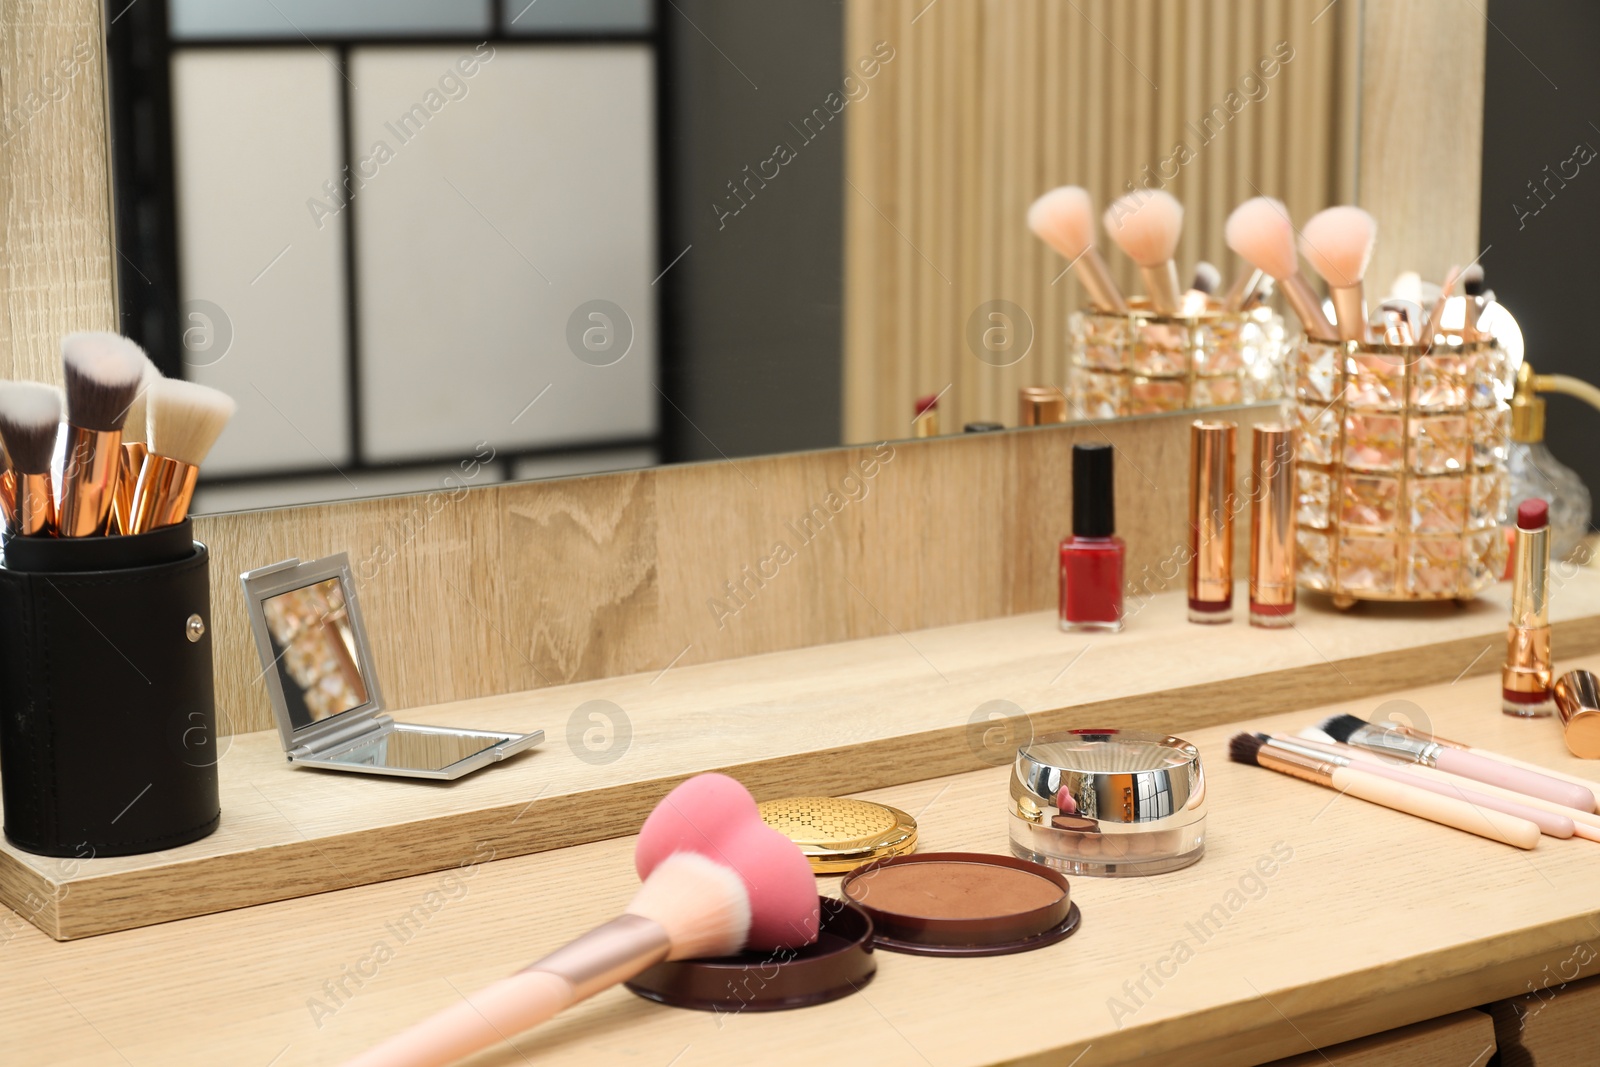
{"x": 430, "y": 242}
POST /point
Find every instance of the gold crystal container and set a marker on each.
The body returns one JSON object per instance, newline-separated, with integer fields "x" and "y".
{"x": 838, "y": 834}
{"x": 1143, "y": 363}
{"x": 1400, "y": 481}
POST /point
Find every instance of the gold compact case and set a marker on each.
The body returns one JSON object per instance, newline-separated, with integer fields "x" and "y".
{"x": 837, "y": 834}
{"x": 1108, "y": 802}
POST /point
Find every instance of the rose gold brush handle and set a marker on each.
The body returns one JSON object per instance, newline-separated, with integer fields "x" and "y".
{"x": 162, "y": 495}
{"x": 1446, "y": 811}
{"x": 133, "y": 454}
{"x": 1548, "y": 823}
{"x": 1307, "y": 308}
{"x": 8, "y": 495}
{"x": 1161, "y": 282}
{"x": 1095, "y": 277}
{"x": 1481, "y": 769}
{"x": 1585, "y": 824}
{"x": 89, "y": 474}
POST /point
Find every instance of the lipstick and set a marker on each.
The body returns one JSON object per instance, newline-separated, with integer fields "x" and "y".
{"x": 1211, "y": 504}
{"x": 1525, "y": 678}
{"x": 1272, "y": 527}
{"x": 925, "y": 422}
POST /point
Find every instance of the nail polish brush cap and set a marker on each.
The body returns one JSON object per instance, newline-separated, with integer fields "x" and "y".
{"x": 1094, "y": 511}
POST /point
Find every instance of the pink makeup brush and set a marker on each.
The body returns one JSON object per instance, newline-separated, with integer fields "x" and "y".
{"x": 1337, "y": 242}
{"x": 1436, "y": 315}
{"x": 1146, "y": 225}
{"x": 1411, "y": 749}
{"x": 716, "y": 880}
{"x": 1260, "y": 231}
{"x": 1588, "y": 785}
{"x": 1549, "y": 823}
{"x": 1064, "y": 219}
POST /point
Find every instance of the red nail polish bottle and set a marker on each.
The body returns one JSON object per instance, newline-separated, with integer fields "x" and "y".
{"x": 1091, "y": 559}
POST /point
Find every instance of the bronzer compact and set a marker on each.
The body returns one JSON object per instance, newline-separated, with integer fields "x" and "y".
{"x": 324, "y": 689}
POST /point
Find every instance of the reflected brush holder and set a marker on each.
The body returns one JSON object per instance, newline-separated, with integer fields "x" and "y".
{"x": 1400, "y": 468}
{"x": 1142, "y": 363}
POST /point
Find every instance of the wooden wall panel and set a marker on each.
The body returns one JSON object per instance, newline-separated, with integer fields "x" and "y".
{"x": 1051, "y": 94}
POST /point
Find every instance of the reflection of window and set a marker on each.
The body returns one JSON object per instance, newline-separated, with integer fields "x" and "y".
{"x": 312, "y": 629}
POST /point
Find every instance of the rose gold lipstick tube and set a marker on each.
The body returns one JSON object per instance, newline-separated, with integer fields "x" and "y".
{"x": 1211, "y": 504}
{"x": 1272, "y": 527}
{"x": 162, "y": 495}
{"x": 89, "y": 477}
{"x": 133, "y": 453}
{"x": 1525, "y": 678}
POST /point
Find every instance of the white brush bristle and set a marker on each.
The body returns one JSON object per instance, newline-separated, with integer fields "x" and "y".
{"x": 1064, "y": 219}
{"x": 1260, "y": 231}
{"x": 1337, "y": 242}
{"x": 1146, "y": 225}
{"x": 185, "y": 418}
{"x": 30, "y": 414}
{"x": 703, "y": 906}
{"x": 102, "y": 372}
{"x": 134, "y": 429}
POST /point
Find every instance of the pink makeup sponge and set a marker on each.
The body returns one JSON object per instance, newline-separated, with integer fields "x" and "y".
{"x": 716, "y": 816}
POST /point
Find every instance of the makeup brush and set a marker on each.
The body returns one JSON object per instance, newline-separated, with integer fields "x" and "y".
{"x": 102, "y": 375}
{"x": 1244, "y": 287}
{"x": 1207, "y": 278}
{"x": 1399, "y": 320}
{"x": 1337, "y": 242}
{"x": 1146, "y": 225}
{"x": 30, "y": 415}
{"x": 716, "y": 880}
{"x": 1588, "y": 785}
{"x": 1477, "y": 298}
{"x": 1436, "y": 315}
{"x": 1550, "y": 824}
{"x": 1259, "y": 230}
{"x": 134, "y": 449}
{"x": 8, "y": 487}
{"x": 1064, "y": 219}
{"x": 1584, "y": 824}
{"x": 1429, "y": 753}
{"x": 1260, "y": 294}
{"x": 185, "y": 420}
{"x": 1444, "y": 810}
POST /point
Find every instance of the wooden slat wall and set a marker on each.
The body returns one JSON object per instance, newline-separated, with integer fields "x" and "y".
{"x": 520, "y": 586}
{"x": 988, "y": 103}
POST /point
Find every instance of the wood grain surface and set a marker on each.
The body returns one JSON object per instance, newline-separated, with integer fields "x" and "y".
{"x": 1460, "y": 1039}
{"x": 1330, "y": 919}
{"x": 875, "y": 712}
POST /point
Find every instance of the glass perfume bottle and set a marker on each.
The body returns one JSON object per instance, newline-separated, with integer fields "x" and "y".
{"x": 1092, "y": 558}
{"x": 1533, "y": 470}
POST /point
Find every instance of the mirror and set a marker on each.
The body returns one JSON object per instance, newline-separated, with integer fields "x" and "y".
{"x": 435, "y": 243}
{"x": 324, "y": 687}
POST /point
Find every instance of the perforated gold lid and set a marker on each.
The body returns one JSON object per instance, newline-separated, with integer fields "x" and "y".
{"x": 839, "y": 835}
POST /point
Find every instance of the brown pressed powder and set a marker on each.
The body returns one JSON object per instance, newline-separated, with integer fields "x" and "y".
{"x": 953, "y": 890}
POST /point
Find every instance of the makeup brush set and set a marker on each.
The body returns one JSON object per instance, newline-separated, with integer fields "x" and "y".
{"x": 1175, "y": 347}
{"x": 106, "y": 688}
{"x": 117, "y": 452}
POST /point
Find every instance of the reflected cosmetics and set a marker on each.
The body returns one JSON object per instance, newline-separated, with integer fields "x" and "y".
{"x": 1211, "y": 503}
{"x": 1525, "y": 678}
{"x": 1092, "y": 558}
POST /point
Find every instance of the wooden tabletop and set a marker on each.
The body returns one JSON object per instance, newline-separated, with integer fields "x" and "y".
{"x": 1328, "y": 919}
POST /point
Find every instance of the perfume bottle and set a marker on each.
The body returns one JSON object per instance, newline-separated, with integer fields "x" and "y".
{"x": 1092, "y": 558}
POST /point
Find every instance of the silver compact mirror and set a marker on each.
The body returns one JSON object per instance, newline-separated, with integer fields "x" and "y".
{"x": 324, "y": 689}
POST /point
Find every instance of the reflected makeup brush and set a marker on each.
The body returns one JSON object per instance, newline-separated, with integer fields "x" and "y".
{"x": 1207, "y": 278}
{"x": 716, "y": 880}
{"x": 1259, "y": 230}
{"x": 1408, "y": 748}
{"x": 30, "y": 415}
{"x": 1436, "y": 315}
{"x": 1064, "y": 219}
{"x": 102, "y": 375}
{"x": 1398, "y": 796}
{"x": 1549, "y": 824}
{"x": 134, "y": 449}
{"x": 1476, "y": 298}
{"x": 1244, "y": 286}
{"x": 1337, "y": 242}
{"x": 185, "y": 420}
{"x": 1146, "y": 225}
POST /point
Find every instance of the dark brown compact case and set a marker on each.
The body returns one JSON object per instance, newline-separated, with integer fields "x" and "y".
{"x": 108, "y": 741}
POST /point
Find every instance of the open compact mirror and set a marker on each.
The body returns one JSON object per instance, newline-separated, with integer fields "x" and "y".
{"x": 324, "y": 687}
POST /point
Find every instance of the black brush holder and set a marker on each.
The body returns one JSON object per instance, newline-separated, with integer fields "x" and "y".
{"x": 108, "y": 742}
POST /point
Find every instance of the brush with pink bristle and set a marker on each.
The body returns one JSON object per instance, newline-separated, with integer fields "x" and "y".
{"x": 1337, "y": 242}
{"x": 1146, "y": 225}
{"x": 1260, "y": 231}
{"x": 717, "y": 880}
{"x": 1064, "y": 219}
